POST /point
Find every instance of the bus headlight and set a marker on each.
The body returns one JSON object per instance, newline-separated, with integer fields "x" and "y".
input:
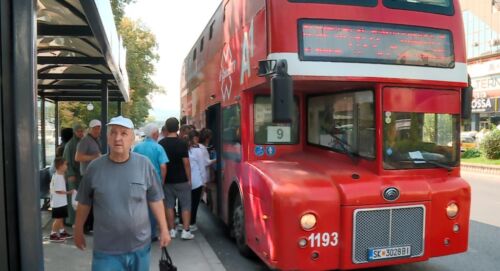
{"x": 308, "y": 221}
{"x": 452, "y": 210}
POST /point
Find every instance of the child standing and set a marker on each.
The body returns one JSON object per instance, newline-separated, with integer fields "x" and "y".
{"x": 59, "y": 201}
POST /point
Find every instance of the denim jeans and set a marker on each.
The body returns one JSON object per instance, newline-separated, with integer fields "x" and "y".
{"x": 132, "y": 261}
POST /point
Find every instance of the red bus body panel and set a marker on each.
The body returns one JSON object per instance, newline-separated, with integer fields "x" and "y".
{"x": 302, "y": 178}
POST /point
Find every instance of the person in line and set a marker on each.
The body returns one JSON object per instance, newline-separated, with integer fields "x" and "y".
{"x": 88, "y": 149}
{"x": 184, "y": 132}
{"x": 210, "y": 158}
{"x": 198, "y": 162}
{"x": 73, "y": 176}
{"x": 156, "y": 154}
{"x": 59, "y": 201}
{"x": 178, "y": 180}
{"x": 121, "y": 185}
{"x": 163, "y": 133}
{"x": 66, "y": 135}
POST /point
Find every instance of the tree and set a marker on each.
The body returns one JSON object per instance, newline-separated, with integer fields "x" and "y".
{"x": 118, "y": 7}
{"x": 141, "y": 55}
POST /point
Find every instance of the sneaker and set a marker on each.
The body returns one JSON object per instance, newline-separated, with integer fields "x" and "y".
{"x": 193, "y": 227}
{"x": 187, "y": 235}
{"x": 56, "y": 238}
{"x": 65, "y": 235}
{"x": 173, "y": 233}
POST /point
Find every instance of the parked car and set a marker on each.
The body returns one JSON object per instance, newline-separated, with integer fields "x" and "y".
{"x": 467, "y": 142}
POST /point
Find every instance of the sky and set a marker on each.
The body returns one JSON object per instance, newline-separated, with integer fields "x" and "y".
{"x": 176, "y": 25}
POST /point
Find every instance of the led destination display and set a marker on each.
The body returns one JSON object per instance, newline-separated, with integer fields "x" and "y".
{"x": 346, "y": 41}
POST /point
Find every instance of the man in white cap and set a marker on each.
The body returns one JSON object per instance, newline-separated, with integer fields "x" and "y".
{"x": 88, "y": 149}
{"x": 156, "y": 154}
{"x": 121, "y": 185}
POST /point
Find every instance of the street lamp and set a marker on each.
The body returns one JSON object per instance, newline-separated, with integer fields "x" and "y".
{"x": 90, "y": 107}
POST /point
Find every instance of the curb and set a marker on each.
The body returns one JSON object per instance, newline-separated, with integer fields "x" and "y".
{"x": 209, "y": 254}
{"x": 481, "y": 168}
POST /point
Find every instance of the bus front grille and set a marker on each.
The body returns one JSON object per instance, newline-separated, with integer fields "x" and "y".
{"x": 388, "y": 227}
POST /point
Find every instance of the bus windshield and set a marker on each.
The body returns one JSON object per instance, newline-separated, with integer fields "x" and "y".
{"x": 343, "y": 122}
{"x": 420, "y": 140}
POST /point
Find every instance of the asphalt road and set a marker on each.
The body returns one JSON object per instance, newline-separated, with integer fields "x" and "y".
{"x": 484, "y": 241}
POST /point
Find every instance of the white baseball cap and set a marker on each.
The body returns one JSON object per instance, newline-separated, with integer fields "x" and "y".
{"x": 94, "y": 123}
{"x": 127, "y": 123}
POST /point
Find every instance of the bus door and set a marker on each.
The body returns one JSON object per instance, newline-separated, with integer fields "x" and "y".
{"x": 214, "y": 190}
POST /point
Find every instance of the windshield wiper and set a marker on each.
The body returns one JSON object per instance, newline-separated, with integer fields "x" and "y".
{"x": 344, "y": 145}
{"x": 432, "y": 162}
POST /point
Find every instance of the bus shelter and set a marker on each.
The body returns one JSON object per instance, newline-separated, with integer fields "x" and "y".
{"x": 80, "y": 57}
{"x": 51, "y": 51}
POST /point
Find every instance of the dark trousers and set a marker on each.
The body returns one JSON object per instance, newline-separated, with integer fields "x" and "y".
{"x": 195, "y": 202}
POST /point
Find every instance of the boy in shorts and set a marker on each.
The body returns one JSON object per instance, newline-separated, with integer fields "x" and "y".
{"x": 59, "y": 201}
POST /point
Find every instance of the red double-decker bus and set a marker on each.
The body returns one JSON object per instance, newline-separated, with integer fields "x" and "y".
{"x": 336, "y": 128}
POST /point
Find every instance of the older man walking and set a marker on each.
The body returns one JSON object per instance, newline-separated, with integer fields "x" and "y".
{"x": 156, "y": 154}
{"x": 73, "y": 175}
{"x": 120, "y": 185}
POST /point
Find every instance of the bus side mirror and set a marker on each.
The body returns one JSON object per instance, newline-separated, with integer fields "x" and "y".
{"x": 281, "y": 89}
{"x": 467, "y": 101}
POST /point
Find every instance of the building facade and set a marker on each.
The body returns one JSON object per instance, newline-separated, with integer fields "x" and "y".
{"x": 482, "y": 32}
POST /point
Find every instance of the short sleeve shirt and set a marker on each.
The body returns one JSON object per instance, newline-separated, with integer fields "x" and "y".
{"x": 197, "y": 163}
{"x": 119, "y": 193}
{"x": 152, "y": 150}
{"x": 88, "y": 146}
{"x": 58, "y": 184}
{"x": 176, "y": 150}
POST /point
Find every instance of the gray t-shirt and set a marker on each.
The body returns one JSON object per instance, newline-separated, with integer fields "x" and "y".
{"x": 119, "y": 193}
{"x": 88, "y": 146}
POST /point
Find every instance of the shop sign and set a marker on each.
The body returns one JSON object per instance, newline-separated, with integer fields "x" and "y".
{"x": 482, "y": 105}
{"x": 485, "y": 105}
{"x": 487, "y": 83}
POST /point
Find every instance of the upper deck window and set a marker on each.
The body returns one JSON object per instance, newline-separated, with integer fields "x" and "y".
{"x": 433, "y": 6}
{"x": 365, "y": 3}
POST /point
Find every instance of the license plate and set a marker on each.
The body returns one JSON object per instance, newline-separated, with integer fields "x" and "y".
{"x": 388, "y": 252}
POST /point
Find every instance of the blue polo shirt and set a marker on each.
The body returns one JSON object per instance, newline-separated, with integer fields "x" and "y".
{"x": 154, "y": 151}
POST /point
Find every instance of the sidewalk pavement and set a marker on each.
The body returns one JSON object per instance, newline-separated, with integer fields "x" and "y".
{"x": 481, "y": 168}
{"x": 187, "y": 255}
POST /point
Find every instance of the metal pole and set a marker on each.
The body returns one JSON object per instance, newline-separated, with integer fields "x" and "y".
{"x": 22, "y": 113}
{"x": 119, "y": 108}
{"x": 56, "y": 122}
{"x": 104, "y": 114}
{"x": 42, "y": 130}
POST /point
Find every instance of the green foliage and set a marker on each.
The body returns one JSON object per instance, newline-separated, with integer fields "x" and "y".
{"x": 118, "y": 7}
{"x": 472, "y": 153}
{"x": 77, "y": 112}
{"x": 141, "y": 55}
{"x": 490, "y": 145}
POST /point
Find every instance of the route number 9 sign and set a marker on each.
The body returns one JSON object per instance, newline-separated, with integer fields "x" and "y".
{"x": 279, "y": 134}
